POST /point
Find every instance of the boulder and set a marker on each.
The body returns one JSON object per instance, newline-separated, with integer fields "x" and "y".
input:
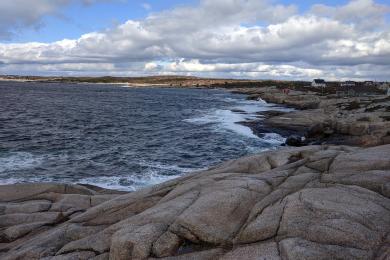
{"x": 294, "y": 140}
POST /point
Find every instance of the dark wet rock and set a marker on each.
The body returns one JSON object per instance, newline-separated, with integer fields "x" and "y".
{"x": 260, "y": 128}
{"x": 270, "y": 113}
{"x": 294, "y": 140}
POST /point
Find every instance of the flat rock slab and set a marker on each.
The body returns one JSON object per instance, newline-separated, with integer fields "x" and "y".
{"x": 313, "y": 202}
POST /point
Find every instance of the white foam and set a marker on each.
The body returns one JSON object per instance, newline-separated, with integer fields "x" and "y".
{"x": 243, "y": 110}
{"x": 131, "y": 183}
{"x": 128, "y": 183}
{"x": 159, "y": 166}
{"x": 14, "y": 180}
{"x": 10, "y": 181}
{"x": 261, "y": 100}
{"x": 274, "y": 138}
{"x": 19, "y": 161}
{"x": 224, "y": 120}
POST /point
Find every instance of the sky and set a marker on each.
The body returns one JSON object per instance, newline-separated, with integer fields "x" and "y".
{"x": 254, "y": 39}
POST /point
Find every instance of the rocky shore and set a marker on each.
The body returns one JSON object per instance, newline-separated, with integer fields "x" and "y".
{"x": 312, "y": 202}
{"x": 325, "y": 119}
{"x": 321, "y": 201}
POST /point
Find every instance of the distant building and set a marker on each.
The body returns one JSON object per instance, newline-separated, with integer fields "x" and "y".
{"x": 369, "y": 83}
{"x": 348, "y": 84}
{"x": 318, "y": 83}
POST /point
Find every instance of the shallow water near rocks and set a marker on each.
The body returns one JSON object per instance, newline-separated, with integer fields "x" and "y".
{"x": 120, "y": 138}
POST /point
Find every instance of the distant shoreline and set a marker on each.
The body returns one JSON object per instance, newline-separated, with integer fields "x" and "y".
{"x": 162, "y": 81}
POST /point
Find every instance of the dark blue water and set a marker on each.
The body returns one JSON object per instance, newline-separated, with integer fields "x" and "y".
{"x": 118, "y": 137}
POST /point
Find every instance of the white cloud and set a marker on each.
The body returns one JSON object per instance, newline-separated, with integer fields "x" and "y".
{"x": 365, "y": 14}
{"x": 151, "y": 66}
{"x": 253, "y": 38}
{"x": 146, "y": 6}
{"x": 19, "y": 14}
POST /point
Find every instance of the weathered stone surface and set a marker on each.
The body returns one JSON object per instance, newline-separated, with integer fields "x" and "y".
{"x": 135, "y": 243}
{"x": 300, "y": 249}
{"x": 21, "y": 218}
{"x": 73, "y": 256}
{"x": 313, "y": 202}
{"x": 201, "y": 255}
{"x": 167, "y": 244}
{"x": 263, "y": 251}
{"x": 320, "y": 215}
{"x": 19, "y": 192}
{"x": 13, "y": 232}
{"x": 27, "y": 207}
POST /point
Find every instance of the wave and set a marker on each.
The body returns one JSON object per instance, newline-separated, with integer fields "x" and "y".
{"x": 155, "y": 173}
{"x": 160, "y": 166}
{"x": 15, "y": 180}
{"x": 151, "y": 176}
{"x": 128, "y": 183}
{"x": 273, "y": 138}
{"x": 224, "y": 120}
{"x": 19, "y": 161}
{"x": 241, "y": 110}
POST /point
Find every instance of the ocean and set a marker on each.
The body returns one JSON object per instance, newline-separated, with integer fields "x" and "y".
{"x": 119, "y": 137}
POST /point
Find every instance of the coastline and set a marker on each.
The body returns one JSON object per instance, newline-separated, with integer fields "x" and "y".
{"x": 319, "y": 118}
{"x": 86, "y": 83}
{"x": 273, "y": 196}
{"x": 326, "y": 119}
{"x": 280, "y": 206}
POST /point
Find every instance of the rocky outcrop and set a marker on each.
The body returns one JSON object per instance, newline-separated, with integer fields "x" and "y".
{"x": 314, "y": 202}
{"x": 27, "y": 209}
{"x": 326, "y": 119}
{"x": 296, "y": 99}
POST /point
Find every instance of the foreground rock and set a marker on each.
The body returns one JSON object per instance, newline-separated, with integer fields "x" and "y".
{"x": 315, "y": 202}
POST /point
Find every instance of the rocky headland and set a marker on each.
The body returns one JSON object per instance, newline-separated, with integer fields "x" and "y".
{"x": 325, "y": 201}
{"x": 325, "y": 119}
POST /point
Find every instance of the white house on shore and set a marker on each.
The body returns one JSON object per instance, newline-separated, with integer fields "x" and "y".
{"x": 318, "y": 83}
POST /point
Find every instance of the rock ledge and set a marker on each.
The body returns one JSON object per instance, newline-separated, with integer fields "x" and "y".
{"x": 313, "y": 202}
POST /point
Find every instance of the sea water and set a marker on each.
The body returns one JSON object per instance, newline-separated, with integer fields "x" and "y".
{"x": 121, "y": 137}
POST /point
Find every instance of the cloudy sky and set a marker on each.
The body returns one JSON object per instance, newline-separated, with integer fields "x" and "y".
{"x": 262, "y": 39}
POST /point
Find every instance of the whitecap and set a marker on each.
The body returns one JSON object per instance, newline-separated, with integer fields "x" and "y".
{"x": 128, "y": 183}
{"x": 273, "y": 138}
{"x": 19, "y": 161}
{"x": 151, "y": 176}
{"x": 243, "y": 110}
{"x": 224, "y": 120}
{"x": 10, "y": 181}
{"x": 160, "y": 166}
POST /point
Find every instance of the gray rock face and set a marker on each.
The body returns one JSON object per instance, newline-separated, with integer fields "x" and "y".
{"x": 313, "y": 202}
{"x": 328, "y": 119}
